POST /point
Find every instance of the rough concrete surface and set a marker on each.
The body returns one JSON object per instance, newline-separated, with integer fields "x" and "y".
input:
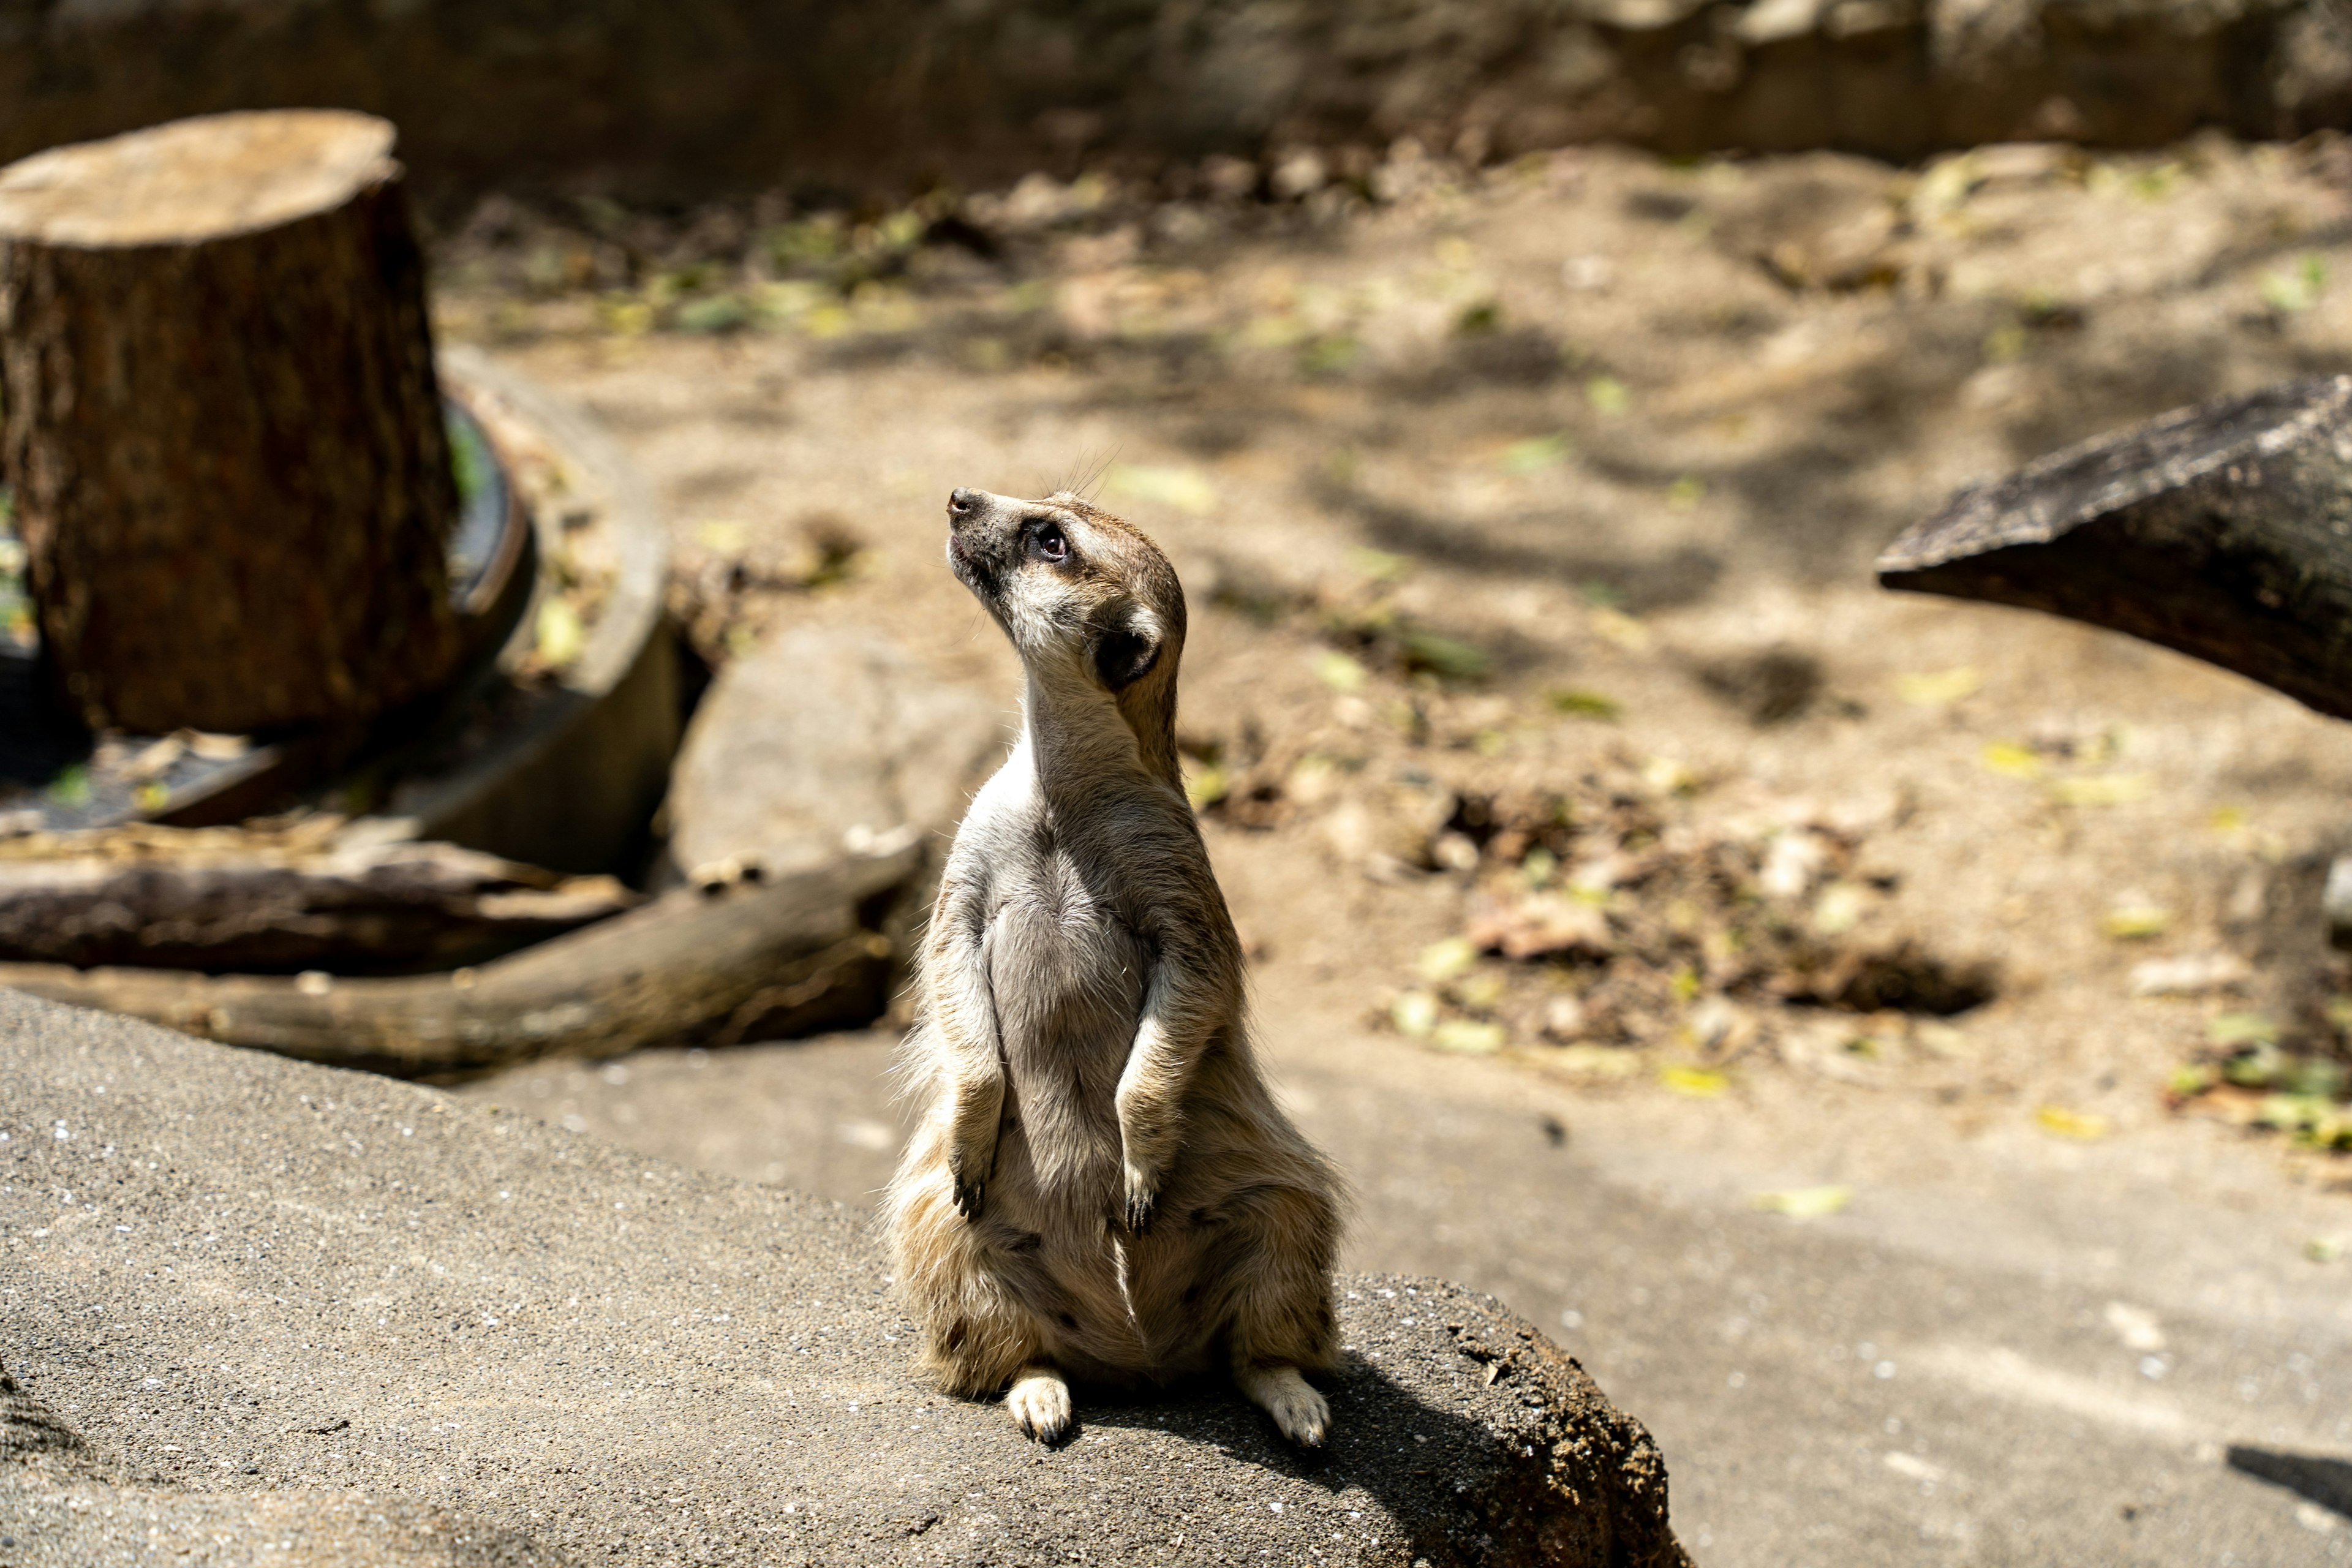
{"x": 260, "y": 1311}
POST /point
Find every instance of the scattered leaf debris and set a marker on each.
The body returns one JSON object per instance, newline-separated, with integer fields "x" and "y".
{"x": 1629, "y": 908}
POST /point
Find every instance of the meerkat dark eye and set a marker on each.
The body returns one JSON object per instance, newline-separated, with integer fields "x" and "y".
{"x": 1046, "y": 540}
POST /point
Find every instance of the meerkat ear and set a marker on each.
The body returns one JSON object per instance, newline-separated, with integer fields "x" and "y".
{"x": 1125, "y": 653}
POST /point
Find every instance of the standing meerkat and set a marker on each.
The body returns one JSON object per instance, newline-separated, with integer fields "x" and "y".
{"x": 1100, "y": 1186}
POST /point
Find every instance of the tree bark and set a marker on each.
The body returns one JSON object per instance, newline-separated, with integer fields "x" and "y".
{"x": 222, "y": 427}
{"x": 171, "y": 898}
{"x": 2223, "y": 531}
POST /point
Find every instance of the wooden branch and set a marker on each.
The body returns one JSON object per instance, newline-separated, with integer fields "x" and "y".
{"x": 158, "y": 897}
{"x": 2223, "y": 531}
{"x": 750, "y": 960}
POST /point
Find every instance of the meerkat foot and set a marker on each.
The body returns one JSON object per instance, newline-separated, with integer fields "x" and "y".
{"x": 1039, "y": 1401}
{"x": 1299, "y": 1413}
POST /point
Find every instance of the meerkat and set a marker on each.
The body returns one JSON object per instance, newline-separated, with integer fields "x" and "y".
{"x": 1100, "y": 1186}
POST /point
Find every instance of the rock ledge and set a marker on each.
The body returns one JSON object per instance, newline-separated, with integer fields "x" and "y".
{"x": 266, "y": 1312}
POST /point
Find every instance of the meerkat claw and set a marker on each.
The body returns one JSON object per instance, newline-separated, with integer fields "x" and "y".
{"x": 1142, "y": 1200}
{"x": 1306, "y": 1422}
{"x": 1039, "y": 1402}
{"x": 967, "y": 1195}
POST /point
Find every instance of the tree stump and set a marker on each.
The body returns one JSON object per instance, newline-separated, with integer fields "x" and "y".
{"x": 222, "y": 424}
{"x": 2223, "y": 531}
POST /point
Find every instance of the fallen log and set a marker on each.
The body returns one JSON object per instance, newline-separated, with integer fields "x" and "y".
{"x": 2223, "y": 531}
{"x": 307, "y": 897}
{"x": 716, "y": 965}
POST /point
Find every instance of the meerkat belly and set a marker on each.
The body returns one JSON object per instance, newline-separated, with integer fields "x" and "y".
{"x": 1067, "y": 977}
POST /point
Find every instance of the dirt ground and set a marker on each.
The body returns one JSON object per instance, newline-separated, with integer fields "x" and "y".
{"x": 1527, "y": 519}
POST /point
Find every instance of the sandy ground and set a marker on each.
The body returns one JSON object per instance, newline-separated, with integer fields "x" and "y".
{"x": 1629, "y": 432}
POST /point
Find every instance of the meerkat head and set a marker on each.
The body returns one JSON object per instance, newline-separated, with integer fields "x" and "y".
{"x": 1088, "y": 600}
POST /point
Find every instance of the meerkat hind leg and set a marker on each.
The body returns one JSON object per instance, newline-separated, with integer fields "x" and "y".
{"x": 1039, "y": 1401}
{"x": 1299, "y": 1413}
{"x": 1279, "y": 1257}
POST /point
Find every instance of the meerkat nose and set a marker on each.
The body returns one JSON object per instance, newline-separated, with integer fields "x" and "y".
{"x": 962, "y": 503}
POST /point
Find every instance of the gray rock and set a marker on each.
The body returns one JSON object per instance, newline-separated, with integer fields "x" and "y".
{"x": 825, "y": 739}
{"x": 252, "y": 1301}
{"x": 64, "y": 1505}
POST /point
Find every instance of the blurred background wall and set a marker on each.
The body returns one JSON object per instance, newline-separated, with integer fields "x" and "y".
{"x": 681, "y": 94}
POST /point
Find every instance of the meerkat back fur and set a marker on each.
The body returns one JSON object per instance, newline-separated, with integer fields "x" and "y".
{"x": 1100, "y": 1186}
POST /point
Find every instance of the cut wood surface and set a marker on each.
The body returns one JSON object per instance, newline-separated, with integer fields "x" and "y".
{"x": 718, "y": 965}
{"x": 2224, "y": 531}
{"x": 307, "y": 896}
{"x": 223, "y": 428}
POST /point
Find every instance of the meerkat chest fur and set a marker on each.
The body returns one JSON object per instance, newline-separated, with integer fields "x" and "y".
{"x": 1085, "y": 856}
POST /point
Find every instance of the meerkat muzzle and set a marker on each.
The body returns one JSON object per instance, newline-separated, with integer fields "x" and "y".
{"x": 966, "y": 508}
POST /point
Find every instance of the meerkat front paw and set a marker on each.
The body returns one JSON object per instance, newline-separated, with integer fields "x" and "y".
{"x": 968, "y": 1197}
{"x": 1143, "y": 1194}
{"x": 1300, "y": 1414}
{"x": 1039, "y": 1402}
{"x": 967, "y": 1183}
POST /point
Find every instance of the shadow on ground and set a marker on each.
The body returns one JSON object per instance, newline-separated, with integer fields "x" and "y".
{"x": 2325, "y": 1482}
